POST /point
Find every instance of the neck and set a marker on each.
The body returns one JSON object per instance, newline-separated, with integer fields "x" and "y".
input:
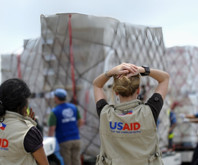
{"x": 60, "y": 102}
{"x": 127, "y": 99}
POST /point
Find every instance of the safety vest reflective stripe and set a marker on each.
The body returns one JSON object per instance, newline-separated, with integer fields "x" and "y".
{"x": 171, "y": 135}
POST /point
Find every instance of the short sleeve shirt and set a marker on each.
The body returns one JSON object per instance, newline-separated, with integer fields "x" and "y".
{"x": 33, "y": 140}
{"x": 155, "y": 102}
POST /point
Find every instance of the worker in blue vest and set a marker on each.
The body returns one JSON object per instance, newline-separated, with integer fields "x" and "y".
{"x": 64, "y": 122}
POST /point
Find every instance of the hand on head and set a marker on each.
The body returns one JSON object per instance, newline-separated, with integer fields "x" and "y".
{"x": 125, "y": 69}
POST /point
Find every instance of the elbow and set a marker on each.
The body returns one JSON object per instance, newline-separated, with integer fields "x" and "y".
{"x": 167, "y": 76}
{"x": 165, "y": 79}
{"x": 97, "y": 84}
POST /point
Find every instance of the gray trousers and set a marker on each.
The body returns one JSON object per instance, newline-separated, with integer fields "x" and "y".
{"x": 70, "y": 151}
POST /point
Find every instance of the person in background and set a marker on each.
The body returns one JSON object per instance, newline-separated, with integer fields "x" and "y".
{"x": 128, "y": 132}
{"x": 64, "y": 122}
{"x": 173, "y": 124}
{"x": 20, "y": 141}
{"x": 142, "y": 95}
{"x": 194, "y": 119}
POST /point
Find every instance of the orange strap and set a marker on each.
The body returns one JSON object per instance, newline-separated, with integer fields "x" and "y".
{"x": 72, "y": 60}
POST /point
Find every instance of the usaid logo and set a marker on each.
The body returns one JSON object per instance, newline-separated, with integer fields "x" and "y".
{"x": 124, "y": 126}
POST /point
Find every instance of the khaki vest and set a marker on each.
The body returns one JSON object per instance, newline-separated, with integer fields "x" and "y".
{"x": 128, "y": 139}
{"x": 12, "y": 151}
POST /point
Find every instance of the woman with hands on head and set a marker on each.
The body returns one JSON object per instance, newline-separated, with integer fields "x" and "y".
{"x": 20, "y": 141}
{"x": 128, "y": 131}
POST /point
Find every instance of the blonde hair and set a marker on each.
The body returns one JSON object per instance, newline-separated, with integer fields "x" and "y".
{"x": 126, "y": 86}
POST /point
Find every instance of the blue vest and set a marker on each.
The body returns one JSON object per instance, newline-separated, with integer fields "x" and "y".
{"x": 66, "y": 122}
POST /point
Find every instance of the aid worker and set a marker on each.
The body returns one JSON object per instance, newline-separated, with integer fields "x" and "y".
{"x": 173, "y": 124}
{"x": 64, "y": 122}
{"x": 128, "y": 131}
{"x": 20, "y": 141}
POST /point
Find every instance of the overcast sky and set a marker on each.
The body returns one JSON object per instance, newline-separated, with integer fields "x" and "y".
{"x": 20, "y": 19}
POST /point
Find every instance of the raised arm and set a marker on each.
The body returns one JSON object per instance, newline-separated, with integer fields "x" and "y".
{"x": 162, "y": 78}
{"x": 130, "y": 69}
{"x": 192, "y": 118}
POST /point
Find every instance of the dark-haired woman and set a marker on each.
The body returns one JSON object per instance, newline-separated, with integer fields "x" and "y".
{"x": 128, "y": 129}
{"x": 20, "y": 140}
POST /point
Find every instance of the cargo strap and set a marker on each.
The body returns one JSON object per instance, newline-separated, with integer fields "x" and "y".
{"x": 72, "y": 60}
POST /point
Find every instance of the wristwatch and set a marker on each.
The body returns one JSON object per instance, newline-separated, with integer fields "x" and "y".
{"x": 147, "y": 71}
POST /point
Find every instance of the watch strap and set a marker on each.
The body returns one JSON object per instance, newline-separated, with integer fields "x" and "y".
{"x": 147, "y": 71}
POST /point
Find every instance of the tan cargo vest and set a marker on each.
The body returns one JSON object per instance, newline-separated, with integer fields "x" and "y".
{"x": 12, "y": 151}
{"x": 128, "y": 135}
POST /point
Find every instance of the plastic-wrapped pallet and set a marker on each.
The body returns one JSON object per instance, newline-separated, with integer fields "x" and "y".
{"x": 72, "y": 51}
{"x": 9, "y": 66}
{"x": 28, "y": 66}
{"x": 182, "y": 67}
{"x": 76, "y": 48}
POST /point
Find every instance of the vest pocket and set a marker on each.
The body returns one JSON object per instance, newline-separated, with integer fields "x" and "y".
{"x": 155, "y": 159}
{"x": 103, "y": 160}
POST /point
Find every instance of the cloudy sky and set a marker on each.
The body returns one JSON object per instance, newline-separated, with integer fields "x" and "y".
{"x": 20, "y": 19}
